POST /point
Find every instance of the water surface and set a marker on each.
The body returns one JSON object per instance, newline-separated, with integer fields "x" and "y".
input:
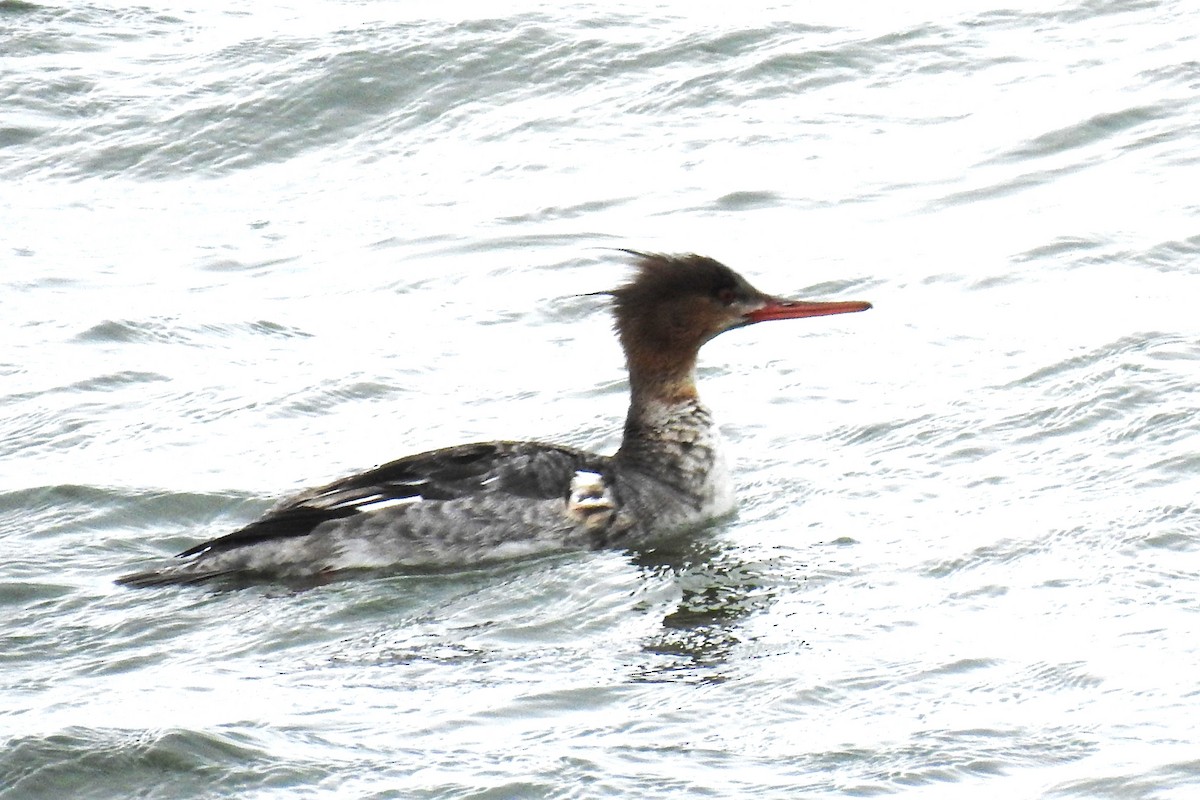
{"x": 246, "y": 250}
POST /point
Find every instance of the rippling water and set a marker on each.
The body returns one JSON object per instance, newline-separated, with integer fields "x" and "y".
{"x": 246, "y": 249}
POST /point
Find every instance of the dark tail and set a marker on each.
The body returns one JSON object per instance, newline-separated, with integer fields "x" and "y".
{"x": 169, "y": 576}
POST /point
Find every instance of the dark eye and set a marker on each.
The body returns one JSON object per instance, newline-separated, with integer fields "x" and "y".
{"x": 726, "y": 296}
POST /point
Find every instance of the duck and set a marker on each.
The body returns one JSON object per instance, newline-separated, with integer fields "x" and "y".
{"x": 470, "y": 504}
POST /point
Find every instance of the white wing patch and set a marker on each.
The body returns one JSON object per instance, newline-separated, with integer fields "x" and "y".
{"x": 379, "y": 502}
{"x": 591, "y": 502}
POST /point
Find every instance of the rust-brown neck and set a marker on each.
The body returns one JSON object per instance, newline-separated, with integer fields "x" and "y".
{"x": 660, "y": 376}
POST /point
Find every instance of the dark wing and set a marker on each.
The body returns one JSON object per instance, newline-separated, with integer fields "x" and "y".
{"x": 519, "y": 469}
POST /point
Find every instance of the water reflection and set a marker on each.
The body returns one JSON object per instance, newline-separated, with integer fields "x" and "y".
{"x": 720, "y": 591}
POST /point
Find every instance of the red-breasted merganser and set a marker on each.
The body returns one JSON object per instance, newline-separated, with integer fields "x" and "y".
{"x": 493, "y": 500}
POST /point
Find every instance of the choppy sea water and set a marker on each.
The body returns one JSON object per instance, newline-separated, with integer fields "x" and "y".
{"x": 246, "y": 249}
